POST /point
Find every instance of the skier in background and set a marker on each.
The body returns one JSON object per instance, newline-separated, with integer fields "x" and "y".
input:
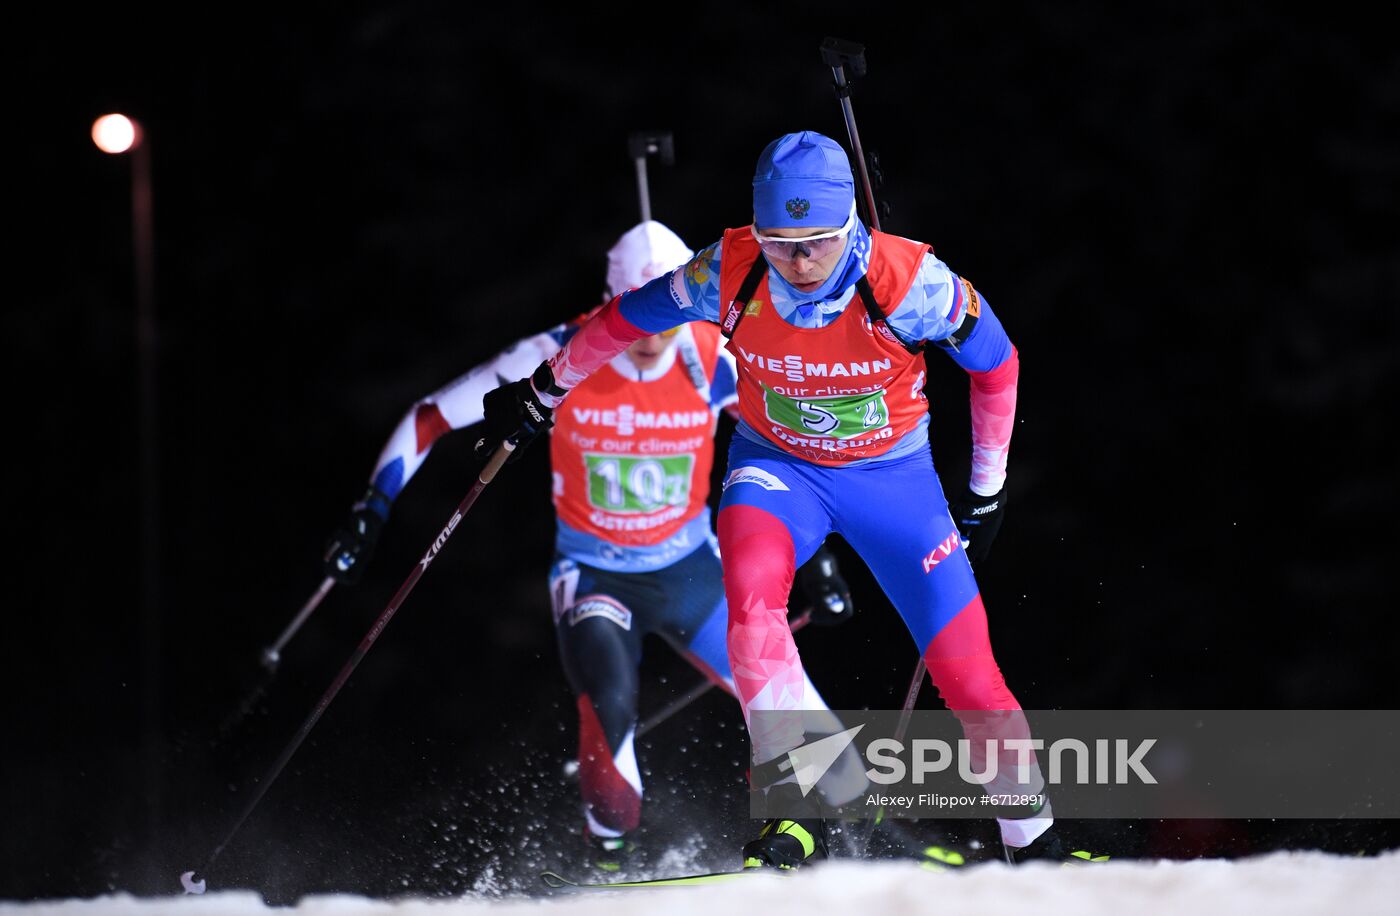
{"x": 634, "y": 550}
{"x": 829, "y": 322}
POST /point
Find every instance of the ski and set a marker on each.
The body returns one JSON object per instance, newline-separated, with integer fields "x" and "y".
{"x": 558, "y": 881}
{"x": 929, "y": 857}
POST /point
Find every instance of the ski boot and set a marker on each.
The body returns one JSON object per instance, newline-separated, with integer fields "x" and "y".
{"x": 608, "y": 854}
{"x": 941, "y": 858}
{"x": 892, "y": 838}
{"x": 1051, "y": 847}
{"x": 787, "y": 842}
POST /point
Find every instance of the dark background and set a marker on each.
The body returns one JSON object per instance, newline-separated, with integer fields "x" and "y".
{"x": 1185, "y": 217}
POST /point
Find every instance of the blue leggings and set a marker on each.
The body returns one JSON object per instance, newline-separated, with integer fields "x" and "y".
{"x": 892, "y": 513}
{"x": 776, "y": 509}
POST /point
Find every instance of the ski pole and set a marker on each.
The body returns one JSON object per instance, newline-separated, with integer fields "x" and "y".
{"x": 640, "y": 145}
{"x": 684, "y": 700}
{"x": 270, "y": 657}
{"x": 916, "y": 683}
{"x": 699, "y": 690}
{"x": 911, "y": 697}
{"x": 838, "y": 55}
{"x": 273, "y": 653}
{"x": 191, "y": 881}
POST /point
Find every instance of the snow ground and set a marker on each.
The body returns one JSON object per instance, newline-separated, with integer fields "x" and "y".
{"x": 1278, "y": 883}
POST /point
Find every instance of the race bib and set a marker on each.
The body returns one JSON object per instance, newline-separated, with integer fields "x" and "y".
{"x": 618, "y": 483}
{"x": 848, "y": 417}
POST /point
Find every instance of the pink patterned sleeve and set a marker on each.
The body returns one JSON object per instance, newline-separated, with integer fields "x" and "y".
{"x": 601, "y": 338}
{"x": 993, "y": 416}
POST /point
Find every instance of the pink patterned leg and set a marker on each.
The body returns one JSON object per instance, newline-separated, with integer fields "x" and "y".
{"x": 758, "y": 568}
{"x": 961, "y": 665}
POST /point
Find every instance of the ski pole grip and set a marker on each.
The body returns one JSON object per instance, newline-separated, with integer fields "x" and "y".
{"x": 497, "y": 459}
{"x": 644, "y": 143}
{"x": 837, "y": 52}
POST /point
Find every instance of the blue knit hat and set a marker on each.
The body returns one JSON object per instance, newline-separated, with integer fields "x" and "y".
{"x": 802, "y": 179}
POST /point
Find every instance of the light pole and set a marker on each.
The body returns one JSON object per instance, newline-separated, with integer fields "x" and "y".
{"x": 117, "y": 134}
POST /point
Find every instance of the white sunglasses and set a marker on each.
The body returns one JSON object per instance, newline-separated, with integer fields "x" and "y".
{"x": 813, "y": 246}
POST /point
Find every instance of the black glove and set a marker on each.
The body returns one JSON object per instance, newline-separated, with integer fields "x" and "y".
{"x": 352, "y": 544}
{"x": 820, "y": 580}
{"x": 978, "y": 519}
{"x": 514, "y": 411}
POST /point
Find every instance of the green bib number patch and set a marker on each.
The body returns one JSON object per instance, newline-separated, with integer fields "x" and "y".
{"x": 618, "y": 483}
{"x": 840, "y": 417}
